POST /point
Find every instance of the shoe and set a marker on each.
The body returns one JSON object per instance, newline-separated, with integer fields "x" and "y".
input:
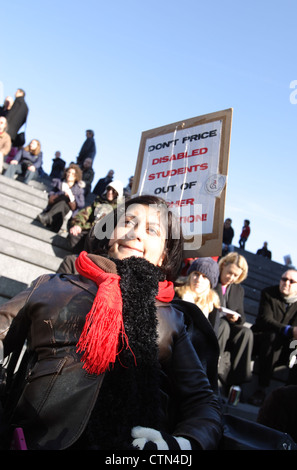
{"x": 257, "y": 398}
{"x": 43, "y": 219}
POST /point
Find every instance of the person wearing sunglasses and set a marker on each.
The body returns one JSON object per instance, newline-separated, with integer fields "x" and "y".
{"x": 274, "y": 331}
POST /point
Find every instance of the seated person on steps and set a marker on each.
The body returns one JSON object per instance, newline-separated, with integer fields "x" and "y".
{"x": 83, "y": 221}
{"x": 274, "y": 330}
{"x": 66, "y": 195}
{"x": 26, "y": 162}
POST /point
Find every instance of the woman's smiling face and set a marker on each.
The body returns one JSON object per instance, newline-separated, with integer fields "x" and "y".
{"x": 140, "y": 232}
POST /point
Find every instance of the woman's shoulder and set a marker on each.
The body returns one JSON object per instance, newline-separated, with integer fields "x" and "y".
{"x": 77, "y": 188}
{"x": 170, "y": 316}
{"x": 236, "y": 289}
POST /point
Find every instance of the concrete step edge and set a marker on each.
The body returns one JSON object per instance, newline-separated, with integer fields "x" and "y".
{"x": 35, "y": 231}
{"x": 29, "y": 255}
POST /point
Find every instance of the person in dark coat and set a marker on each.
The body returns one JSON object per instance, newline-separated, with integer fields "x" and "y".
{"x": 58, "y": 166}
{"x": 17, "y": 116}
{"x": 264, "y": 251}
{"x": 274, "y": 330}
{"x": 228, "y": 234}
{"x": 88, "y": 149}
{"x": 235, "y": 339}
{"x": 87, "y": 175}
{"x": 110, "y": 349}
{"x": 102, "y": 184}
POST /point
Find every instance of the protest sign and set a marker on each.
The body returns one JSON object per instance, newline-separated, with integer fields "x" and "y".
{"x": 186, "y": 163}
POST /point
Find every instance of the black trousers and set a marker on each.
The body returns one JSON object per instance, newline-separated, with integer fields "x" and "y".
{"x": 236, "y": 347}
{"x": 272, "y": 350}
{"x": 55, "y": 215}
{"x": 77, "y": 242}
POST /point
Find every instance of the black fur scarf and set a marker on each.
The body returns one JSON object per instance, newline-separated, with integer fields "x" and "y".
{"x": 129, "y": 395}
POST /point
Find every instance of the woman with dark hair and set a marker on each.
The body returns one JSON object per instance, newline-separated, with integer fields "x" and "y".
{"x": 66, "y": 195}
{"x": 26, "y": 162}
{"x": 109, "y": 349}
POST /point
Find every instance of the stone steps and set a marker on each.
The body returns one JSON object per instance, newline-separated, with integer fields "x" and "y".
{"x": 27, "y": 249}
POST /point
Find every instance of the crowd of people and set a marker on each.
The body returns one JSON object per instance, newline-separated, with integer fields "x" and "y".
{"x": 70, "y": 185}
{"x": 228, "y": 235}
{"x": 136, "y": 344}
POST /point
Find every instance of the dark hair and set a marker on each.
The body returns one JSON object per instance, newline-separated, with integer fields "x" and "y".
{"x": 174, "y": 240}
{"x": 22, "y": 91}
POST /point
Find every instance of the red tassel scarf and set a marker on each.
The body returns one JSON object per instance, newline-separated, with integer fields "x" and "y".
{"x": 99, "y": 340}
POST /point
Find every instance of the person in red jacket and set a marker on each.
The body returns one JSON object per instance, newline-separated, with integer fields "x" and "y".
{"x": 244, "y": 234}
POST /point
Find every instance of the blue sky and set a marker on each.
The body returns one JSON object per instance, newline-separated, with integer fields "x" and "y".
{"x": 122, "y": 68}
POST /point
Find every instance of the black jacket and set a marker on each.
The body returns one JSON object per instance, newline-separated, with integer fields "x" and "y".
{"x": 58, "y": 167}
{"x": 17, "y": 116}
{"x": 233, "y": 299}
{"x": 51, "y": 316}
{"x": 203, "y": 337}
{"x": 274, "y": 313}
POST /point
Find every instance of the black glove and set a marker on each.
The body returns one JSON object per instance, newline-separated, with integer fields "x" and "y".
{"x": 151, "y": 439}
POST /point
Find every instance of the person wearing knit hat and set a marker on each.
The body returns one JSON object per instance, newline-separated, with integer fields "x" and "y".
{"x": 203, "y": 275}
{"x": 208, "y": 267}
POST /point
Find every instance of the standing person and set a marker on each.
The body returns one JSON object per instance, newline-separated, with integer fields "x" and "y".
{"x": 87, "y": 175}
{"x": 5, "y": 142}
{"x": 58, "y": 166}
{"x": 228, "y": 234}
{"x": 26, "y": 162}
{"x": 244, "y": 234}
{"x": 235, "y": 339}
{"x": 66, "y": 195}
{"x": 274, "y": 330}
{"x": 110, "y": 350}
{"x": 17, "y": 115}
{"x": 86, "y": 218}
{"x": 88, "y": 149}
{"x": 103, "y": 183}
